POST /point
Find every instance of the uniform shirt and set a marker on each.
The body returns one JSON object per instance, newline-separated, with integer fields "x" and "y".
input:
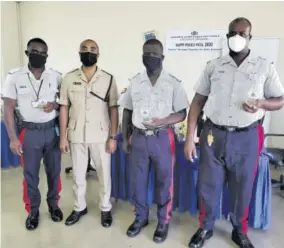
{"x": 22, "y": 86}
{"x": 228, "y": 87}
{"x": 167, "y": 96}
{"x": 89, "y": 120}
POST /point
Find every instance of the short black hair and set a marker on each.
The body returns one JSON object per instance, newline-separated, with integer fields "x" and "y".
{"x": 36, "y": 40}
{"x": 241, "y": 19}
{"x": 154, "y": 42}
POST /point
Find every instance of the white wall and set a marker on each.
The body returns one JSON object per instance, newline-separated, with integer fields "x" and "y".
{"x": 118, "y": 28}
{"x": 10, "y": 46}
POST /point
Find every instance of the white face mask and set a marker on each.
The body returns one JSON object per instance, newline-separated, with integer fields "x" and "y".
{"x": 237, "y": 43}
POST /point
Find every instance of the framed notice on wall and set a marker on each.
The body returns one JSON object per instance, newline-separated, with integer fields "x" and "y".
{"x": 193, "y": 40}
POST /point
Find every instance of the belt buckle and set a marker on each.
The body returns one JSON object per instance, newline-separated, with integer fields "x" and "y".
{"x": 149, "y": 133}
{"x": 231, "y": 129}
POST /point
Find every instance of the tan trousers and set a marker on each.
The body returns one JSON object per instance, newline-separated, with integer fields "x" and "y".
{"x": 79, "y": 155}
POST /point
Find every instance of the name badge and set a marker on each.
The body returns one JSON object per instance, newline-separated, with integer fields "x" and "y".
{"x": 77, "y": 83}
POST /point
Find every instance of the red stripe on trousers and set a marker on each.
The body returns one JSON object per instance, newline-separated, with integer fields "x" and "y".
{"x": 25, "y": 186}
{"x": 172, "y": 149}
{"x": 201, "y": 207}
{"x": 201, "y": 213}
{"x": 244, "y": 222}
{"x": 21, "y": 138}
{"x": 59, "y": 188}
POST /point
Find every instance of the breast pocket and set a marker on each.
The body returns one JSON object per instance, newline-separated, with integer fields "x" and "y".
{"x": 22, "y": 90}
{"x": 76, "y": 94}
{"x": 256, "y": 85}
{"x": 218, "y": 81}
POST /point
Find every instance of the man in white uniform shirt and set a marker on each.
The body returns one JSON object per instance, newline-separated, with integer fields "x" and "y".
{"x": 235, "y": 91}
{"x": 34, "y": 88}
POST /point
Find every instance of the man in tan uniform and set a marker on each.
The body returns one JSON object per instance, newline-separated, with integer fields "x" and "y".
{"x": 90, "y": 94}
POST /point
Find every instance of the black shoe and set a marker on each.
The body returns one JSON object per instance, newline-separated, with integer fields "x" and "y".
{"x": 241, "y": 239}
{"x": 32, "y": 221}
{"x": 198, "y": 239}
{"x": 161, "y": 233}
{"x": 106, "y": 219}
{"x": 75, "y": 217}
{"x": 136, "y": 227}
{"x": 56, "y": 214}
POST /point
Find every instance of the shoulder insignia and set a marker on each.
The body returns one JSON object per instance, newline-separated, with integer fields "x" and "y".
{"x": 56, "y": 71}
{"x": 174, "y": 78}
{"x": 12, "y": 71}
{"x": 106, "y": 73}
{"x": 72, "y": 71}
{"x": 123, "y": 91}
{"x": 134, "y": 76}
{"x": 210, "y": 61}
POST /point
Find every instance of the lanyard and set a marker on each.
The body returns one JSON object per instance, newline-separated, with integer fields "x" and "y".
{"x": 36, "y": 93}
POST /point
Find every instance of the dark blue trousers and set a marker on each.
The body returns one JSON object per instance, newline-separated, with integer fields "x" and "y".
{"x": 159, "y": 151}
{"x": 231, "y": 159}
{"x": 38, "y": 145}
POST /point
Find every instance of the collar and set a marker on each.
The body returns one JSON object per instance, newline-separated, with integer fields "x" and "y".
{"x": 144, "y": 76}
{"x": 82, "y": 76}
{"x": 46, "y": 70}
{"x": 227, "y": 59}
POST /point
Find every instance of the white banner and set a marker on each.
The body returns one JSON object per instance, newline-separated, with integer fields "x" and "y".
{"x": 180, "y": 40}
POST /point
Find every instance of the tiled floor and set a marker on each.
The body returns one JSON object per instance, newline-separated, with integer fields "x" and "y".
{"x": 88, "y": 232}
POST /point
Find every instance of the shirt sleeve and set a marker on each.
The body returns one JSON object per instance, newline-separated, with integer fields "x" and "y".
{"x": 113, "y": 94}
{"x": 273, "y": 86}
{"x": 9, "y": 88}
{"x": 203, "y": 85}
{"x": 59, "y": 80}
{"x": 180, "y": 99}
{"x": 64, "y": 100}
{"x": 126, "y": 100}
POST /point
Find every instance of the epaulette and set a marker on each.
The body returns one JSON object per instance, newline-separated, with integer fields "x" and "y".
{"x": 134, "y": 76}
{"x": 72, "y": 71}
{"x": 12, "y": 71}
{"x": 106, "y": 72}
{"x": 123, "y": 91}
{"x": 174, "y": 78}
{"x": 209, "y": 61}
{"x": 56, "y": 71}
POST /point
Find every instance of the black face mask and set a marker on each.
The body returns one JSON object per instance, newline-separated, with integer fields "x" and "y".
{"x": 88, "y": 59}
{"x": 152, "y": 63}
{"x": 37, "y": 60}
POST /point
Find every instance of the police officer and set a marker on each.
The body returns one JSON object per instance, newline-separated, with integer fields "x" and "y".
{"x": 34, "y": 89}
{"x": 154, "y": 100}
{"x": 235, "y": 91}
{"x": 91, "y": 96}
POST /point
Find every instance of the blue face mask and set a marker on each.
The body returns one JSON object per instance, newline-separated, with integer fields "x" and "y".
{"x": 152, "y": 63}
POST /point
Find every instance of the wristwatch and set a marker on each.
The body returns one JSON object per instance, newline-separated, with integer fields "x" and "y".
{"x": 112, "y": 137}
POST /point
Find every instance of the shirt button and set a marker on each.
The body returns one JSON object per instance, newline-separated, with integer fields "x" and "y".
{"x": 87, "y": 109}
{"x": 87, "y": 121}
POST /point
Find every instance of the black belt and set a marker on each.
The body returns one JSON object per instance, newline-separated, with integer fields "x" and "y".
{"x": 151, "y": 132}
{"x": 41, "y": 126}
{"x": 233, "y": 129}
